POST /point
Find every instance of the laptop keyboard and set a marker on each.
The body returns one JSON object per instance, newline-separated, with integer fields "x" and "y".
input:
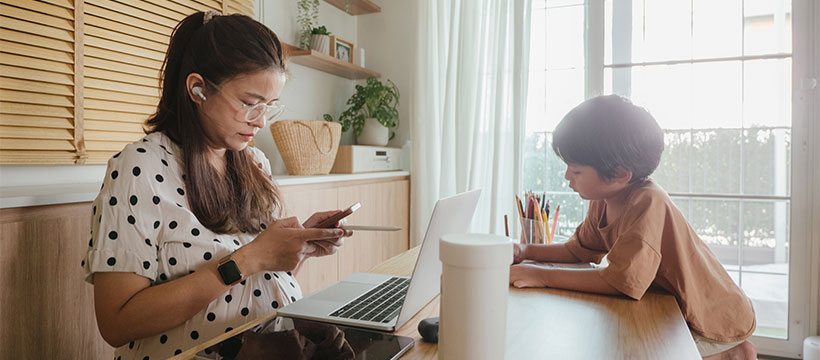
{"x": 380, "y": 304}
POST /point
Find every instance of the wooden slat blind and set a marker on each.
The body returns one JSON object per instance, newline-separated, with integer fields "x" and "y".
{"x": 78, "y": 78}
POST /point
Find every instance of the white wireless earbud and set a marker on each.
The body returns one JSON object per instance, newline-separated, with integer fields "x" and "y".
{"x": 198, "y": 91}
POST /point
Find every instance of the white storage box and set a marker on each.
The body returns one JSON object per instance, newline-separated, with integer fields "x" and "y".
{"x": 359, "y": 158}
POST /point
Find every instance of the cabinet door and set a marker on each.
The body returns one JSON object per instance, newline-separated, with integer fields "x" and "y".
{"x": 315, "y": 273}
{"x": 384, "y": 203}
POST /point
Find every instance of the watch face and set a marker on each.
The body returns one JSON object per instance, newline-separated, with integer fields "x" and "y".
{"x": 229, "y": 272}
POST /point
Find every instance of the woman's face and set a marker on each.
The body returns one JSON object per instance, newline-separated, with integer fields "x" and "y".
{"x": 223, "y": 113}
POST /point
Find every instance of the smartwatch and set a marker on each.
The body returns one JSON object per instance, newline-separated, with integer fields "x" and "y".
{"x": 229, "y": 271}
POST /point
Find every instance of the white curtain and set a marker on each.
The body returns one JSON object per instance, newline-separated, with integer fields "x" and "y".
{"x": 470, "y": 100}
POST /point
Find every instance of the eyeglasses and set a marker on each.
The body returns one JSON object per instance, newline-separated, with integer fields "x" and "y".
{"x": 262, "y": 110}
{"x": 254, "y": 112}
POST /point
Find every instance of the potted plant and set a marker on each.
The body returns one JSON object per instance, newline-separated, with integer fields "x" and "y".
{"x": 372, "y": 112}
{"x": 320, "y": 40}
{"x": 307, "y": 16}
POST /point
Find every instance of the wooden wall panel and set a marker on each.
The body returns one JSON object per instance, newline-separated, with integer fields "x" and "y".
{"x": 47, "y": 308}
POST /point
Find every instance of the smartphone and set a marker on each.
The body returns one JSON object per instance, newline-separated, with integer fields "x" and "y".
{"x": 331, "y": 221}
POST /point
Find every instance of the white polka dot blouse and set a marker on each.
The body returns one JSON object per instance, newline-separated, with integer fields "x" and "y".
{"x": 141, "y": 223}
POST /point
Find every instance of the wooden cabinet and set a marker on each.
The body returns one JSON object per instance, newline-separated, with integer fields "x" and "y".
{"x": 47, "y": 309}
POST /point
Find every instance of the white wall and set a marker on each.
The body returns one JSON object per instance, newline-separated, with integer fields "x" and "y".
{"x": 388, "y": 38}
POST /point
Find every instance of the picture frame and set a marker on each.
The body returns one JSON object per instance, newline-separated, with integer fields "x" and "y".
{"x": 341, "y": 49}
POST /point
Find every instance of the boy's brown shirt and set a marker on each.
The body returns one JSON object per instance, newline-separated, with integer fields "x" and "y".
{"x": 652, "y": 243}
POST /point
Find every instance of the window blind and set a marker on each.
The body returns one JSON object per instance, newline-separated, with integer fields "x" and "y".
{"x": 78, "y": 78}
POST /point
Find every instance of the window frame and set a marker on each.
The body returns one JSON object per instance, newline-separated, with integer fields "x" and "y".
{"x": 804, "y": 199}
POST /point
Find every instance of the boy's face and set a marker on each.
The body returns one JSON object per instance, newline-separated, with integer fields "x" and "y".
{"x": 586, "y": 182}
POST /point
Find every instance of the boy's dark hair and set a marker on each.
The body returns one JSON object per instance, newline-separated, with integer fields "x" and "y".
{"x": 609, "y": 131}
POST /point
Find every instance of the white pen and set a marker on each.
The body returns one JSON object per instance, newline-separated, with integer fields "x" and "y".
{"x": 370, "y": 228}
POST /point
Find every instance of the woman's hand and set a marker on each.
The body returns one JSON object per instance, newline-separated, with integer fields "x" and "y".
{"x": 519, "y": 253}
{"x": 282, "y": 246}
{"x": 317, "y": 218}
{"x": 324, "y": 247}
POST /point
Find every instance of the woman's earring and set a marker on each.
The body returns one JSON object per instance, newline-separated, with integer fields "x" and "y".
{"x": 198, "y": 91}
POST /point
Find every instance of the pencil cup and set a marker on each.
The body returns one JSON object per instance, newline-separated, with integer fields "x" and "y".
{"x": 534, "y": 232}
{"x": 475, "y": 281}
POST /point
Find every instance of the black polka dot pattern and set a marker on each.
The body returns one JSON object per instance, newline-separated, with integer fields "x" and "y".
{"x": 228, "y": 298}
{"x": 245, "y": 311}
{"x": 133, "y": 199}
{"x": 211, "y": 316}
{"x": 111, "y": 261}
{"x": 274, "y": 304}
{"x": 172, "y": 224}
{"x": 136, "y": 171}
{"x": 163, "y": 339}
{"x": 207, "y": 256}
{"x": 194, "y": 334}
{"x": 257, "y": 293}
{"x": 195, "y": 232}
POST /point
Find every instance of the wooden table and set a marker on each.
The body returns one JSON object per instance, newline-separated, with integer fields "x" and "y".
{"x": 557, "y": 324}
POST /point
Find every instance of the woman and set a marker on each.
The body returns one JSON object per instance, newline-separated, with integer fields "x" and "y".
{"x": 184, "y": 244}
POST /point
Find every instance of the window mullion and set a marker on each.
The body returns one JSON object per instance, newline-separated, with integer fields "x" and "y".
{"x": 594, "y": 48}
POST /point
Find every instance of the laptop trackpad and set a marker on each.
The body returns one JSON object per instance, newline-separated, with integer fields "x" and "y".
{"x": 342, "y": 292}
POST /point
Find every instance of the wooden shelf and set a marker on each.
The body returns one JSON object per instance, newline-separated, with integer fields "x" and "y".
{"x": 319, "y": 61}
{"x": 357, "y": 7}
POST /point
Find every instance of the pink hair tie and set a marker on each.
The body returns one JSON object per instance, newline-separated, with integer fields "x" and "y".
{"x": 210, "y": 14}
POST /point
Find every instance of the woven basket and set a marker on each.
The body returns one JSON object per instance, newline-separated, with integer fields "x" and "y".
{"x": 308, "y": 147}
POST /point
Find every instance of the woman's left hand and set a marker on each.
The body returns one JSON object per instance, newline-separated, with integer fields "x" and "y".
{"x": 324, "y": 247}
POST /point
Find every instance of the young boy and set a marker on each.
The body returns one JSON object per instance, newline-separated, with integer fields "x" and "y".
{"x": 611, "y": 147}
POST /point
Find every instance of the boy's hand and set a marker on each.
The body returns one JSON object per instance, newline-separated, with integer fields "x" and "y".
{"x": 518, "y": 253}
{"x": 524, "y": 276}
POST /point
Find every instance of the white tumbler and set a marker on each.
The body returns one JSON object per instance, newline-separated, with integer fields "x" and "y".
{"x": 475, "y": 278}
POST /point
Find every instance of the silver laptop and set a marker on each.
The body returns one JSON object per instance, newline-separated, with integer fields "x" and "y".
{"x": 385, "y": 302}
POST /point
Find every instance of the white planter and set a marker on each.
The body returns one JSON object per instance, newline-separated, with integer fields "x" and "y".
{"x": 320, "y": 43}
{"x": 374, "y": 133}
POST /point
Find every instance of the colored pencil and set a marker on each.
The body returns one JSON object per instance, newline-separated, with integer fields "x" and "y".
{"x": 555, "y": 220}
